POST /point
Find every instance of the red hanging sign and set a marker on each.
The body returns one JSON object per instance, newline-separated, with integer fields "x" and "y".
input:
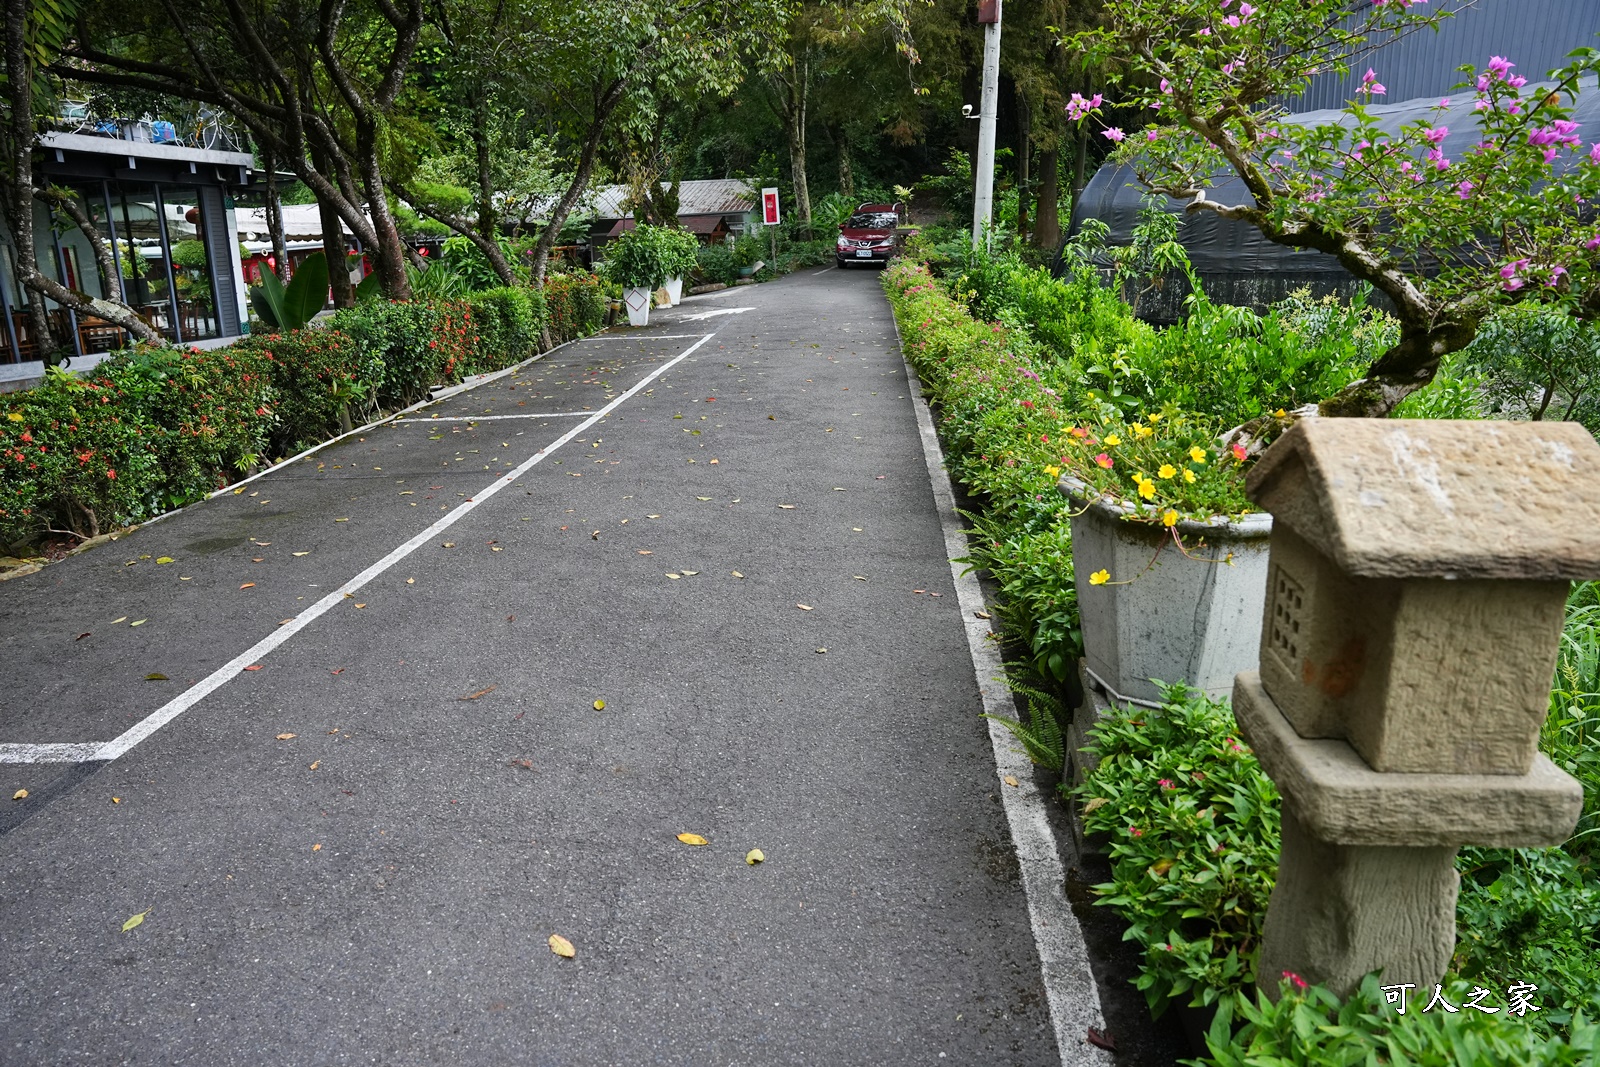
{"x": 769, "y": 207}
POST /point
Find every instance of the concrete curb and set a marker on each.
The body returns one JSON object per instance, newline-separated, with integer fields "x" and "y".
{"x": 1069, "y": 982}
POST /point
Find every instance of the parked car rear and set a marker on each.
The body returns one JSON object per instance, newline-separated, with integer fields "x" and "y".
{"x": 868, "y": 235}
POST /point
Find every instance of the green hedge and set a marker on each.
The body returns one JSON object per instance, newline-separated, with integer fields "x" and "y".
{"x": 576, "y": 306}
{"x": 155, "y": 428}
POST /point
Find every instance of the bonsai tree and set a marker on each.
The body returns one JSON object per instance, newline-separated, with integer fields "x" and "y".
{"x": 639, "y": 258}
{"x": 1448, "y": 236}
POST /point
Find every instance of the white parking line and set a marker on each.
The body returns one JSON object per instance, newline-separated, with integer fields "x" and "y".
{"x": 629, "y": 337}
{"x": 825, "y": 270}
{"x": 110, "y": 750}
{"x": 487, "y": 418}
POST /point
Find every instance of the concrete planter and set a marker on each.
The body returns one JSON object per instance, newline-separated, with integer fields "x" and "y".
{"x": 1179, "y": 619}
{"x": 637, "y": 301}
{"x": 674, "y": 291}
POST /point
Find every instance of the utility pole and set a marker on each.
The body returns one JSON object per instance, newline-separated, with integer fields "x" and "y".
{"x": 988, "y": 104}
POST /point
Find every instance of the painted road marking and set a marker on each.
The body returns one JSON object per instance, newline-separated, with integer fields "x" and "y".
{"x": 627, "y": 337}
{"x": 121, "y": 745}
{"x": 718, "y": 311}
{"x": 485, "y": 418}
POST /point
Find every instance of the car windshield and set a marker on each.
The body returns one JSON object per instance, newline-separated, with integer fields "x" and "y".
{"x": 872, "y": 220}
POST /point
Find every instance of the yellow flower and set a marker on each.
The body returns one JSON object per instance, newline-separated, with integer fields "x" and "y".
{"x": 1197, "y": 454}
{"x": 1143, "y": 431}
{"x": 1169, "y": 518}
{"x": 1280, "y": 414}
{"x": 1167, "y": 471}
{"x": 1054, "y": 472}
{"x": 1100, "y": 577}
{"x": 1090, "y": 394}
{"x": 1113, "y": 439}
{"x": 1147, "y": 489}
{"x": 1154, "y": 418}
{"x": 1188, "y": 476}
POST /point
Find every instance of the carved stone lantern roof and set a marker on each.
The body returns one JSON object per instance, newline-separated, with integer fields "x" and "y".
{"x": 1424, "y": 498}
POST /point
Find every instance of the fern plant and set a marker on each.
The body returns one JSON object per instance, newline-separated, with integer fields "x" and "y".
{"x": 1041, "y": 735}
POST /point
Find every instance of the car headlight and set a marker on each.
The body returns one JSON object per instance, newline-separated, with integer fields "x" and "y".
{"x": 843, "y": 242}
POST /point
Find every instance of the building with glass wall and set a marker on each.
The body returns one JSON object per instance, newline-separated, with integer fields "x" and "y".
{"x": 165, "y": 202}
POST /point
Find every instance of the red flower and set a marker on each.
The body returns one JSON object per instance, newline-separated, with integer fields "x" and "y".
{"x": 111, "y": 474}
{"x": 1134, "y": 831}
{"x": 1295, "y": 980}
{"x": 1238, "y": 451}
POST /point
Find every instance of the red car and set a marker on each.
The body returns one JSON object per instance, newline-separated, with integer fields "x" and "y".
{"x": 867, "y": 236}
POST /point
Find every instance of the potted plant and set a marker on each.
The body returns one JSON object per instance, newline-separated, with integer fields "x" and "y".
{"x": 637, "y": 261}
{"x": 1170, "y": 558}
{"x": 683, "y": 255}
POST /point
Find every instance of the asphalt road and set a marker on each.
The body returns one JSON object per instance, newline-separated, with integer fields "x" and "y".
{"x": 351, "y": 822}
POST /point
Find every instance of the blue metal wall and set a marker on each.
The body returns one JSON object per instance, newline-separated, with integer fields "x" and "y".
{"x": 1536, "y": 35}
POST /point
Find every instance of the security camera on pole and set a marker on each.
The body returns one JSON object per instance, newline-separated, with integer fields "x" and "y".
{"x": 988, "y": 103}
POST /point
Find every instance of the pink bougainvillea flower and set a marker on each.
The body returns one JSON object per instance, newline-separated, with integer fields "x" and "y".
{"x": 1113, "y": 134}
{"x": 1103, "y": 460}
{"x": 1435, "y": 134}
{"x": 1232, "y": 20}
{"x": 1151, "y": 135}
{"x": 1499, "y": 67}
{"x": 1594, "y": 153}
{"x": 1464, "y": 189}
{"x": 1592, "y": 243}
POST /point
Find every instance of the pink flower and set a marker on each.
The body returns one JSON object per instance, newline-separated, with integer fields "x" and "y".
{"x": 1167, "y": 784}
{"x": 1232, "y": 20}
{"x": 1113, "y": 134}
{"x": 1464, "y": 189}
{"x": 1499, "y": 67}
{"x": 1205, "y": 32}
{"x": 1555, "y": 275}
{"x": 1238, "y": 451}
{"x": 1295, "y": 980}
{"x": 1435, "y": 134}
{"x": 1245, "y": 11}
{"x": 1105, "y": 461}
{"x": 1166, "y": 86}
{"x": 1594, "y": 153}
{"x": 1371, "y": 85}
{"x": 1134, "y": 831}
{"x": 1592, "y": 243}
{"x": 1151, "y": 135}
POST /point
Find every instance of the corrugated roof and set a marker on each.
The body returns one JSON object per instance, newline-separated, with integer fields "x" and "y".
{"x": 707, "y": 196}
{"x": 300, "y": 222}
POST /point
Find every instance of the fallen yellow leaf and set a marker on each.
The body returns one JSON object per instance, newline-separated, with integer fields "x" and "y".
{"x": 248, "y": 585}
{"x": 1011, "y": 780}
{"x": 687, "y": 573}
{"x": 599, "y": 705}
{"x": 411, "y": 581}
{"x": 754, "y": 856}
{"x": 360, "y": 605}
{"x": 562, "y": 947}
{"x": 341, "y": 520}
{"x": 736, "y": 574}
{"x": 316, "y": 764}
{"x": 1094, "y": 802}
{"x": 116, "y": 800}
{"x": 135, "y": 920}
{"x": 674, "y": 577}
{"x": 306, "y": 553}
{"x": 693, "y": 839}
{"x": 21, "y": 794}
{"x": 166, "y": 559}
{"x": 316, "y": 848}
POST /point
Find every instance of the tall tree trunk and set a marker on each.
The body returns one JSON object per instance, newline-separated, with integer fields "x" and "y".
{"x": 488, "y": 225}
{"x": 333, "y": 250}
{"x": 1047, "y": 234}
{"x": 1024, "y": 143}
{"x": 793, "y": 91}
{"x": 605, "y": 103}
{"x": 274, "y": 215}
{"x": 390, "y": 253}
{"x": 847, "y": 178}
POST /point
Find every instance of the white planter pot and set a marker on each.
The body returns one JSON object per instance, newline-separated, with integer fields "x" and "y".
{"x": 1179, "y": 619}
{"x": 637, "y": 301}
{"x": 674, "y": 291}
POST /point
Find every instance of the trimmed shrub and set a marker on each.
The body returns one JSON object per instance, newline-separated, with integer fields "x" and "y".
{"x": 574, "y": 304}
{"x": 315, "y": 372}
{"x": 421, "y": 344}
{"x": 508, "y": 321}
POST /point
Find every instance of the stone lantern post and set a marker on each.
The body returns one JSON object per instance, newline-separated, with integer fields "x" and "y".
{"x": 1418, "y": 572}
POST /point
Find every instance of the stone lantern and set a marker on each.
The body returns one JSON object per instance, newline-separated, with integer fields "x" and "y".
{"x": 1417, "y": 577}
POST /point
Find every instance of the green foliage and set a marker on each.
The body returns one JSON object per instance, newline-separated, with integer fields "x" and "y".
{"x": 1031, "y": 562}
{"x": 469, "y": 262}
{"x": 640, "y": 258}
{"x": 149, "y": 429}
{"x": 576, "y": 306}
{"x": 1193, "y": 827}
{"x": 293, "y": 306}
{"x": 1535, "y": 362}
{"x": 1310, "y": 1027}
{"x": 419, "y": 343}
{"x": 315, "y": 373}
{"x": 1040, "y": 736}
{"x": 437, "y": 281}
{"x": 715, "y": 264}
{"x": 508, "y": 321}
{"x": 681, "y": 250}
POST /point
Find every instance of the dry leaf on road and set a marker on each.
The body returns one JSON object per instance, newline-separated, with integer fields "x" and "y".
{"x": 135, "y": 920}
{"x": 599, "y": 705}
{"x": 803, "y": 607}
{"x": 21, "y": 794}
{"x": 562, "y": 947}
{"x": 1010, "y": 780}
{"x": 693, "y": 839}
{"x": 286, "y": 737}
{"x": 248, "y": 585}
{"x": 155, "y": 677}
{"x": 736, "y": 574}
{"x": 479, "y": 693}
{"x": 754, "y": 856}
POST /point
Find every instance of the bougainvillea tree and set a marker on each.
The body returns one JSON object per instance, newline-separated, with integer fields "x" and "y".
{"x": 1448, "y": 232}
